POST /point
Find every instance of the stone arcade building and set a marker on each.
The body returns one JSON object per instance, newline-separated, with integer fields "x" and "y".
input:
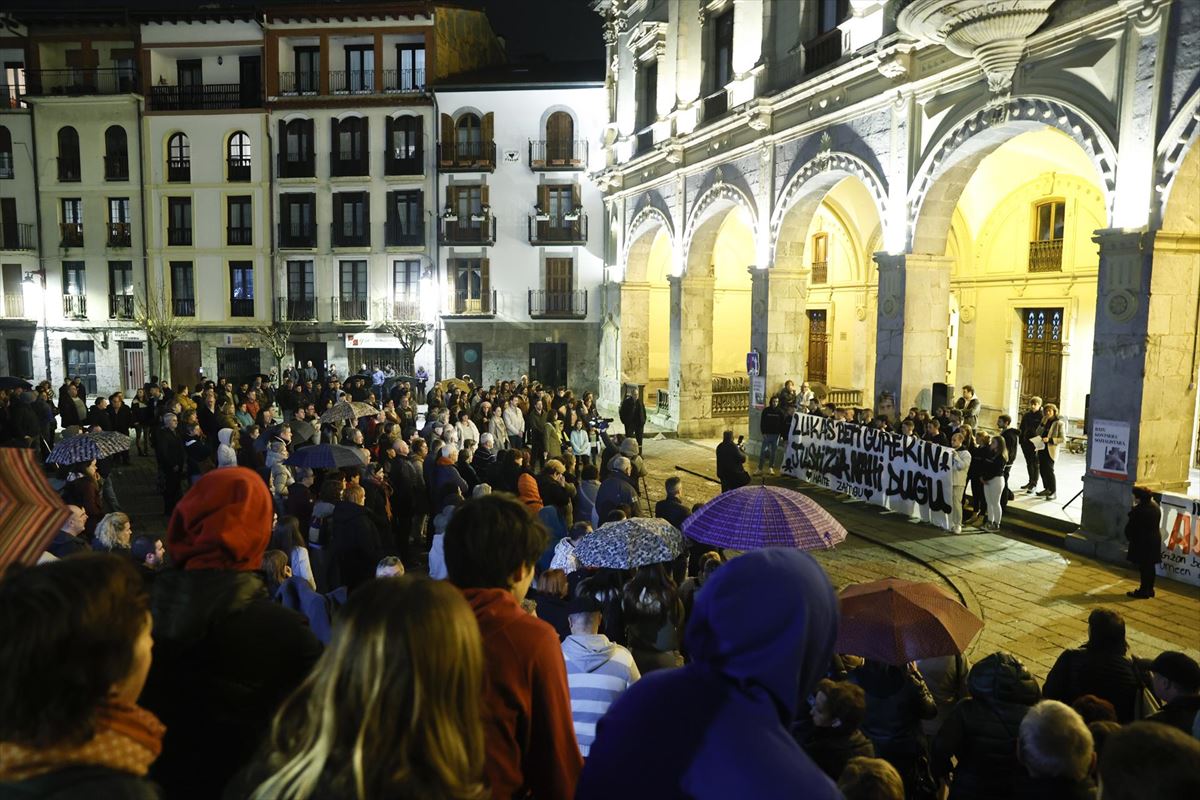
{"x": 892, "y": 195}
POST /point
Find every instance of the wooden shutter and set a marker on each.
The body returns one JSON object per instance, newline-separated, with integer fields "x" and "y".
{"x": 483, "y": 195}
{"x": 282, "y": 144}
{"x": 446, "y": 147}
{"x": 310, "y": 127}
{"x": 485, "y": 286}
{"x": 365, "y": 141}
{"x": 487, "y": 154}
{"x": 334, "y": 149}
{"x": 543, "y": 201}
{"x": 575, "y": 197}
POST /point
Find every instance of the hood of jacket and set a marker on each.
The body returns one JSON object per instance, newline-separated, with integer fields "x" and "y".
{"x": 186, "y": 603}
{"x": 223, "y": 522}
{"x": 1000, "y": 677}
{"x": 225, "y": 435}
{"x": 493, "y": 608}
{"x": 767, "y": 620}
{"x": 588, "y": 651}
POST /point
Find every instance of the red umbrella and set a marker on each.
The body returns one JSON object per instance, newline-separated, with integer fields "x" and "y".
{"x": 753, "y": 517}
{"x": 30, "y": 512}
{"x": 897, "y": 621}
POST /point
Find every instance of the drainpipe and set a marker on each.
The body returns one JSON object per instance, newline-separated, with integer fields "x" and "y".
{"x": 437, "y": 253}
{"x": 41, "y": 260}
{"x": 146, "y": 233}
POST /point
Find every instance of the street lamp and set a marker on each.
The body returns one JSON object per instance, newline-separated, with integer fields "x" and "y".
{"x": 36, "y": 279}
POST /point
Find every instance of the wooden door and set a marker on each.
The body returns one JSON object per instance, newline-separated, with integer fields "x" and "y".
{"x": 1041, "y": 355}
{"x": 818, "y": 346}
{"x": 548, "y": 363}
{"x": 250, "y": 75}
{"x": 185, "y": 364}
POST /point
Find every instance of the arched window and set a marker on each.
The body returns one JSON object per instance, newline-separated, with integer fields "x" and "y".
{"x": 560, "y": 139}
{"x": 6, "y": 153}
{"x": 349, "y": 153}
{"x": 68, "y": 154}
{"x": 179, "y": 159}
{"x": 820, "y": 258}
{"x": 116, "y": 154}
{"x": 296, "y": 146}
{"x": 239, "y": 157}
{"x": 468, "y": 134}
{"x": 403, "y": 146}
{"x": 1046, "y": 246}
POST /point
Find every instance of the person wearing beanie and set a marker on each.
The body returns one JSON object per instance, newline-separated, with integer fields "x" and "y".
{"x": 1176, "y": 678}
{"x": 225, "y": 655}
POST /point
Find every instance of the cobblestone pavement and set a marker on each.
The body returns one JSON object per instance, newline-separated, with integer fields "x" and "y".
{"x": 1034, "y": 599}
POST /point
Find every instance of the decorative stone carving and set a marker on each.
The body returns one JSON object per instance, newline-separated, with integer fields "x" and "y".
{"x": 827, "y": 160}
{"x": 993, "y": 33}
{"x": 647, "y": 38}
{"x": 719, "y": 191}
{"x": 896, "y": 66}
{"x": 672, "y": 151}
{"x": 758, "y": 117}
{"x": 646, "y": 217}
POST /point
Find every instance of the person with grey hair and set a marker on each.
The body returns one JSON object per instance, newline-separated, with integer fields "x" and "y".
{"x": 113, "y": 533}
{"x": 389, "y": 567}
{"x": 616, "y": 490}
{"x": 172, "y": 461}
{"x": 1055, "y": 747}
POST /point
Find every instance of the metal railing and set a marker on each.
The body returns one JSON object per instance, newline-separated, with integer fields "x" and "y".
{"x": 293, "y": 168}
{"x": 204, "y": 97}
{"x": 116, "y": 168}
{"x": 341, "y": 237}
{"x": 397, "y": 164}
{"x": 183, "y": 306}
{"x": 14, "y": 305}
{"x": 546, "y": 304}
{"x": 467, "y": 155}
{"x": 238, "y": 169}
{"x": 352, "y": 81}
{"x": 1046, "y": 256}
{"x": 17, "y": 237}
{"x": 348, "y": 167}
{"x": 405, "y": 308}
{"x": 554, "y": 154}
{"x": 557, "y": 230}
{"x": 74, "y": 306}
{"x": 820, "y": 272}
{"x": 293, "y": 83}
{"x": 304, "y": 235}
{"x": 77, "y": 81}
{"x": 120, "y": 234}
{"x": 845, "y": 398}
{"x": 398, "y": 235}
{"x": 351, "y": 309}
{"x": 822, "y": 51}
{"x": 460, "y": 304}
{"x": 456, "y": 230}
{"x": 715, "y": 105}
{"x": 303, "y": 309}
{"x": 69, "y": 170}
{"x": 71, "y": 234}
{"x": 664, "y": 399}
{"x": 179, "y": 237}
{"x": 120, "y": 306}
{"x": 241, "y": 307}
{"x": 403, "y": 80}
{"x": 179, "y": 170}
{"x": 239, "y": 236}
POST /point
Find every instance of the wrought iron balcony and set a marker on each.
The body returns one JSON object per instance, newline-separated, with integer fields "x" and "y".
{"x": 19, "y": 236}
{"x": 80, "y": 81}
{"x": 461, "y": 304}
{"x": 475, "y": 229}
{"x": 546, "y": 155}
{"x": 179, "y": 170}
{"x": 546, "y": 304}
{"x": 239, "y": 236}
{"x": 340, "y": 167}
{"x": 71, "y": 234}
{"x": 120, "y": 306}
{"x": 298, "y": 309}
{"x": 715, "y": 105}
{"x": 1046, "y": 256}
{"x": 403, "y": 80}
{"x": 238, "y": 169}
{"x": 403, "y": 162}
{"x": 351, "y": 309}
{"x": 299, "y": 83}
{"x": 564, "y": 229}
{"x": 352, "y": 81}
{"x": 68, "y": 170}
{"x": 822, "y": 51}
{"x": 297, "y": 168}
{"x": 241, "y": 307}
{"x": 302, "y": 235}
{"x": 14, "y": 305}
{"x": 120, "y": 234}
{"x": 405, "y": 308}
{"x": 467, "y": 156}
{"x": 116, "y": 168}
{"x": 399, "y": 235}
{"x": 183, "y": 306}
{"x": 179, "y": 237}
{"x": 74, "y": 306}
{"x": 204, "y": 97}
{"x": 343, "y": 236}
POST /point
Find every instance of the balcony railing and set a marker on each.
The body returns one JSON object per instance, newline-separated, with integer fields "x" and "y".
{"x": 116, "y": 168}
{"x": 348, "y": 167}
{"x": 552, "y": 154}
{"x": 557, "y": 230}
{"x": 183, "y": 306}
{"x": 120, "y": 306}
{"x": 715, "y": 105}
{"x": 1046, "y": 256}
{"x": 238, "y": 169}
{"x": 297, "y": 168}
{"x": 74, "y": 306}
{"x": 179, "y": 237}
{"x": 294, "y": 83}
{"x": 303, "y": 309}
{"x": 79, "y": 81}
{"x": 239, "y": 236}
{"x": 403, "y": 80}
{"x": 822, "y": 51}
{"x": 405, "y": 308}
{"x": 730, "y": 395}
{"x": 71, "y": 234}
{"x": 843, "y": 398}
{"x": 351, "y": 309}
{"x": 68, "y": 170}
{"x": 120, "y": 234}
{"x": 457, "y": 230}
{"x": 467, "y": 156}
{"x": 643, "y": 141}
{"x": 14, "y": 305}
{"x": 404, "y": 235}
{"x": 241, "y": 307}
{"x": 398, "y": 162}
{"x": 461, "y": 304}
{"x": 179, "y": 170}
{"x": 820, "y": 272}
{"x": 545, "y": 304}
{"x": 304, "y": 235}
{"x": 204, "y": 97}
{"x": 341, "y": 237}
{"x": 6, "y": 165}
{"x": 17, "y": 237}
{"x": 352, "y": 81}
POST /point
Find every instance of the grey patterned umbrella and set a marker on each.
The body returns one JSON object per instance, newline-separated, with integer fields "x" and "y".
{"x": 346, "y": 411}
{"x": 88, "y": 446}
{"x": 630, "y": 543}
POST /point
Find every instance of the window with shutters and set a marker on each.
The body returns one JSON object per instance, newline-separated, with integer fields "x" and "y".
{"x": 68, "y": 155}
{"x": 820, "y": 258}
{"x": 297, "y": 220}
{"x": 472, "y": 292}
{"x": 179, "y": 159}
{"x": 467, "y": 143}
{"x": 350, "y": 154}
{"x": 560, "y": 149}
{"x": 351, "y": 225}
{"x": 240, "y": 228}
{"x": 406, "y": 218}
{"x": 183, "y": 289}
{"x": 296, "y": 157}
{"x": 558, "y": 299}
{"x": 1049, "y": 225}
{"x": 469, "y": 220}
{"x": 404, "y": 154}
{"x": 558, "y": 216}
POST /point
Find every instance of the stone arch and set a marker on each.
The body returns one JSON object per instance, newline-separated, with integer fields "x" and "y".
{"x": 1175, "y": 148}
{"x": 807, "y": 188}
{"x": 704, "y": 222}
{"x": 645, "y": 226}
{"x": 943, "y": 174}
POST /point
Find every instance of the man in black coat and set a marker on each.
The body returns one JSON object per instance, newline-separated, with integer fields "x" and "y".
{"x": 1031, "y": 424}
{"x": 671, "y": 508}
{"x": 355, "y": 545}
{"x": 772, "y": 424}
{"x": 1145, "y": 543}
{"x": 633, "y": 416}
{"x": 731, "y": 464}
{"x": 172, "y": 461}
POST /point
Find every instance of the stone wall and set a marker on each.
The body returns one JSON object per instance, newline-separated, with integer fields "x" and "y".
{"x": 506, "y": 349}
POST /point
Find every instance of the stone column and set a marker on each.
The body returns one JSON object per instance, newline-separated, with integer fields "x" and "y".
{"x": 911, "y": 340}
{"x": 691, "y": 355}
{"x": 777, "y": 324}
{"x": 1143, "y": 372}
{"x": 635, "y": 336}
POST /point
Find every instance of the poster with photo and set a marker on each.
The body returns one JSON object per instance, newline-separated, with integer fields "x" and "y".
{"x": 1108, "y": 448}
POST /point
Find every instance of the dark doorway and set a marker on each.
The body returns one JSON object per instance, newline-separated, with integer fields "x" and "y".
{"x": 548, "y": 363}
{"x": 185, "y": 364}
{"x": 316, "y": 352}
{"x": 1041, "y": 355}
{"x": 468, "y": 360}
{"x": 238, "y": 364}
{"x": 818, "y": 346}
{"x": 80, "y": 361}
{"x": 250, "y": 73}
{"x": 8, "y": 224}
{"x": 20, "y": 358}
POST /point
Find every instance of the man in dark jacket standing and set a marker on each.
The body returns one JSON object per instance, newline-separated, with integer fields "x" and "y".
{"x": 1031, "y": 425}
{"x": 672, "y": 508}
{"x": 172, "y": 461}
{"x": 633, "y": 416}
{"x": 731, "y": 464}
{"x": 1145, "y": 544}
{"x": 772, "y": 424}
{"x": 1101, "y": 667}
{"x": 355, "y": 544}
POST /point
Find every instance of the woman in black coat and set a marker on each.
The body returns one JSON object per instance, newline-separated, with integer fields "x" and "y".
{"x": 1145, "y": 542}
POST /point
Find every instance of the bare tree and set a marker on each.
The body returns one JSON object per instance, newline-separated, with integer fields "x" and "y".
{"x": 412, "y": 335}
{"x": 153, "y": 315}
{"x": 276, "y": 337}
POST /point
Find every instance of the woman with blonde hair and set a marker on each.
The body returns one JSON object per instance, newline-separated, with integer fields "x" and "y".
{"x": 1052, "y": 434}
{"x": 392, "y": 709}
{"x": 113, "y": 533}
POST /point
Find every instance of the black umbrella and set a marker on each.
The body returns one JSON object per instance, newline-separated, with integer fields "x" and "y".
{"x": 326, "y": 456}
{"x": 9, "y": 382}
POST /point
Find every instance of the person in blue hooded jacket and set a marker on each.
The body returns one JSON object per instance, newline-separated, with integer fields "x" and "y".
{"x": 761, "y": 636}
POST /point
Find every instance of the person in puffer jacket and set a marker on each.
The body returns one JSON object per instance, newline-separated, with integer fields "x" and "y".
{"x": 281, "y": 474}
{"x": 981, "y": 731}
{"x": 226, "y": 452}
{"x": 598, "y": 671}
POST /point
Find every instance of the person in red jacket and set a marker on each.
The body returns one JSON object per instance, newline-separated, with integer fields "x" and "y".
{"x": 491, "y": 546}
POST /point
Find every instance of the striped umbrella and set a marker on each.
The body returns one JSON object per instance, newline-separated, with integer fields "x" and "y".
{"x": 347, "y": 411}
{"x": 897, "y": 621}
{"x": 88, "y": 446}
{"x": 30, "y": 512}
{"x": 630, "y": 543}
{"x": 753, "y": 517}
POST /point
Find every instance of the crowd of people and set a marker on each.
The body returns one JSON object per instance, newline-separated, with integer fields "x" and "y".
{"x": 279, "y": 642}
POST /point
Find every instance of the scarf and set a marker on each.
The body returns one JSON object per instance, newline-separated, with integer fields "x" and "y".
{"x": 126, "y": 739}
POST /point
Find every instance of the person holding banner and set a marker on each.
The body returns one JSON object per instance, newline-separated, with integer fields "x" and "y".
{"x": 960, "y": 464}
{"x": 1145, "y": 546}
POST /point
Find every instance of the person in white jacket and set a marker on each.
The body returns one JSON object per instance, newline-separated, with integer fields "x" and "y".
{"x": 514, "y": 421}
{"x": 960, "y": 463}
{"x": 465, "y": 428}
{"x": 227, "y": 449}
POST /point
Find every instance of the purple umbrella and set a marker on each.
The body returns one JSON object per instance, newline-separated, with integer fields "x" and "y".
{"x": 754, "y": 517}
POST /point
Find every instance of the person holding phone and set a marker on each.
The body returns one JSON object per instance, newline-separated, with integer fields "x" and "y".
{"x": 731, "y": 463}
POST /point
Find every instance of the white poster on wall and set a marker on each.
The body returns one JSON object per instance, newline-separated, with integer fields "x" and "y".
{"x": 1180, "y": 529}
{"x": 1109, "y": 448}
{"x": 901, "y": 473}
